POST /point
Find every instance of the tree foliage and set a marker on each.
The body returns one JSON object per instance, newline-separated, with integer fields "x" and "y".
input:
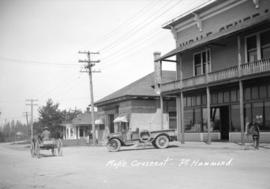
{"x": 52, "y": 117}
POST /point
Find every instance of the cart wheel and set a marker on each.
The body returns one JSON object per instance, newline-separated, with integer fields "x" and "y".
{"x": 113, "y": 145}
{"x": 162, "y": 141}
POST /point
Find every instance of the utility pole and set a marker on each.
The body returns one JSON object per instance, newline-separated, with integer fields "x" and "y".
{"x": 32, "y": 112}
{"x": 88, "y": 69}
{"x": 27, "y": 122}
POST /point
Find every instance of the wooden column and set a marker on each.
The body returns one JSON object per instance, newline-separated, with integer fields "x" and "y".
{"x": 158, "y": 82}
{"x": 161, "y": 112}
{"x": 161, "y": 99}
{"x": 182, "y": 119}
{"x": 178, "y": 118}
{"x": 180, "y": 105}
{"x": 208, "y": 95}
{"x": 208, "y": 115}
{"x": 241, "y": 99}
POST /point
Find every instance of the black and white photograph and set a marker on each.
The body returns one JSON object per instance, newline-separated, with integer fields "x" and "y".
{"x": 134, "y": 94}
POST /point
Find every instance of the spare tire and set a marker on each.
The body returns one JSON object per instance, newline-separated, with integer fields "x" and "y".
{"x": 145, "y": 136}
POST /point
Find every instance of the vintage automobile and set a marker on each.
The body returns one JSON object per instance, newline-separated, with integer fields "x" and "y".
{"x": 126, "y": 137}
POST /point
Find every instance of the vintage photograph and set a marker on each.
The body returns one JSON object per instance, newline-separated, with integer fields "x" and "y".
{"x": 134, "y": 94}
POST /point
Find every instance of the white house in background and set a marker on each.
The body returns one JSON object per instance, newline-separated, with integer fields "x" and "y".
{"x": 80, "y": 127}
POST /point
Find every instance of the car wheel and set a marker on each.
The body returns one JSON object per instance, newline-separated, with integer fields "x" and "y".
{"x": 162, "y": 141}
{"x": 114, "y": 145}
{"x": 154, "y": 144}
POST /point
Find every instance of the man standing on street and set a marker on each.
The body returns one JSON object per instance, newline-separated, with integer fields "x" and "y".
{"x": 254, "y": 131}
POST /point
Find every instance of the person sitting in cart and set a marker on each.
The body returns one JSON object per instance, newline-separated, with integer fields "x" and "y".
{"x": 45, "y": 135}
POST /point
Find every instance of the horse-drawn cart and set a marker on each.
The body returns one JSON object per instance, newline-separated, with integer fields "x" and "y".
{"x": 55, "y": 145}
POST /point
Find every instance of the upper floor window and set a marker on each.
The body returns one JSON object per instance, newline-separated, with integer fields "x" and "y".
{"x": 265, "y": 44}
{"x": 201, "y": 59}
{"x": 258, "y": 46}
{"x": 252, "y": 48}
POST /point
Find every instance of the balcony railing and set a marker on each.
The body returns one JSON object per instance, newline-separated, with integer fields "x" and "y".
{"x": 259, "y": 66}
{"x": 247, "y": 69}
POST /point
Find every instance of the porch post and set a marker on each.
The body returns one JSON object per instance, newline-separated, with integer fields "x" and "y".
{"x": 178, "y": 118}
{"x": 208, "y": 115}
{"x": 241, "y": 99}
{"x": 161, "y": 111}
{"x": 208, "y": 101}
{"x": 158, "y": 81}
{"x": 180, "y": 100}
{"x": 182, "y": 119}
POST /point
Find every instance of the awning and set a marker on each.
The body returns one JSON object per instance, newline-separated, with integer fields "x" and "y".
{"x": 120, "y": 119}
{"x": 99, "y": 122}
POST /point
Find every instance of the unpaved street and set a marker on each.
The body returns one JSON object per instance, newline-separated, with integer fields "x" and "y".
{"x": 193, "y": 165}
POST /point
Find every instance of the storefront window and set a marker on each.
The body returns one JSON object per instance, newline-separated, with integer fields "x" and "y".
{"x": 263, "y": 91}
{"x": 188, "y": 120}
{"x": 247, "y": 112}
{"x": 198, "y": 100}
{"x": 247, "y": 94}
{"x": 254, "y": 92}
{"x": 214, "y": 98}
{"x": 235, "y": 118}
{"x": 220, "y": 97}
{"x": 188, "y": 101}
{"x": 172, "y": 120}
{"x": 267, "y": 117}
{"x": 204, "y": 127}
{"x": 197, "y": 120}
{"x": 226, "y": 96}
{"x": 185, "y": 101}
{"x": 193, "y": 120}
{"x": 234, "y": 95}
{"x": 193, "y": 101}
{"x": 257, "y": 110}
{"x": 204, "y": 98}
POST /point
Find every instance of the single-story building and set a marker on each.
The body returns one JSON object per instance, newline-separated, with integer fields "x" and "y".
{"x": 80, "y": 128}
{"x": 137, "y": 106}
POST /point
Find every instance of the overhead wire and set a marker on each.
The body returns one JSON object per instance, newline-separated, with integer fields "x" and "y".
{"x": 137, "y": 27}
{"x": 129, "y": 21}
{"x": 109, "y": 56}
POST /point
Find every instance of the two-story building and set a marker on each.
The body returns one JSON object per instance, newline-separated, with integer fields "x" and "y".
{"x": 222, "y": 59}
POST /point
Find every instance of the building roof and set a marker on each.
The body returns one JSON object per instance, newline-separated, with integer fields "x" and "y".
{"x": 83, "y": 119}
{"x": 260, "y": 20}
{"x": 190, "y": 14}
{"x": 141, "y": 87}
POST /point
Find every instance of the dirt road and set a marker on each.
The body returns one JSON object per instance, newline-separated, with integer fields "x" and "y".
{"x": 193, "y": 165}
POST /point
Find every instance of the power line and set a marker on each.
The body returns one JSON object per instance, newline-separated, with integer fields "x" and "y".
{"x": 128, "y": 21}
{"x": 139, "y": 27}
{"x": 67, "y": 83}
{"x": 21, "y": 61}
{"x": 140, "y": 41}
{"x": 88, "y": 69}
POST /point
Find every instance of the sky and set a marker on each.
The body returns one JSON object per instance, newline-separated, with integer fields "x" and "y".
{"x": 40, "y": 40}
